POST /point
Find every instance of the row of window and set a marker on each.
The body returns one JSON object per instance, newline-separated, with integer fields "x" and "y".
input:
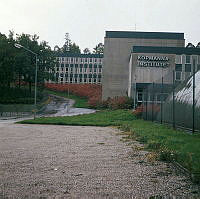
{"x": 78, "y": 59}
{"x": 79, "y": 70}
{"x": 188, "y": 59}
{"x": 78, "y": 75}
{"x": 186, "y": 67}
{"x": 79, "y": 80}
{"x": 79, "y": 65}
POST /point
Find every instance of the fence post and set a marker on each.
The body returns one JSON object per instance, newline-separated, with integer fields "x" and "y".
{"x": 173, "y": 111}
{"x": 146, "y": 103}
{"x": 152, "y": 106}
{"x": 193, "y": 99}
{"x": 161, "y": 116}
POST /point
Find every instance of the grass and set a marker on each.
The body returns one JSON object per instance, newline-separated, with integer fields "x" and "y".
{"x": 79, "y": 102}
{"x": 101, "y": 118}
{"x": 171, "y": 145}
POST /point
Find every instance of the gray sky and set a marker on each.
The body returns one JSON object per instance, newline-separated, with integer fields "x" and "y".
{"x": 87, "y": 20}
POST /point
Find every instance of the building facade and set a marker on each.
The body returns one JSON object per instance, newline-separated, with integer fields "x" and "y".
{"x": 166, "y": 65}
{"x": 117, "y": 51}
{"x": 78, "y": 69}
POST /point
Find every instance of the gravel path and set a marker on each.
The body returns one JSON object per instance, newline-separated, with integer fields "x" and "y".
{"x": 40, "y": 161}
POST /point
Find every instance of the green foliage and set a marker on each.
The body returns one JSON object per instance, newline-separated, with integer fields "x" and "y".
{"x": 18, "y": 66}
{"x": 101, "y": 118}
{"x": 99, "y": 49}
{"x": 18, "y": 96}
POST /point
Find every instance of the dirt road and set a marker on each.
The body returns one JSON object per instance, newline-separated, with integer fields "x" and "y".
{"x": 40, "y": 161}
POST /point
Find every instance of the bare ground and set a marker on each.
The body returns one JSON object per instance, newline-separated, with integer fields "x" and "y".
{"x": 41, "y": 161}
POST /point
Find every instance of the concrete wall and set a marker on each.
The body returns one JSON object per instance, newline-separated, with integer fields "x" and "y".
{"x": 150, "y": 74}
{"x": 116, "y": 62}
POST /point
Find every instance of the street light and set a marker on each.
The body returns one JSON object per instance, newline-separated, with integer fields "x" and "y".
{"x": 35, "y": 97}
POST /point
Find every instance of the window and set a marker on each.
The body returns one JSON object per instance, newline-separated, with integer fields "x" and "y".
{"x": 85, "y": 80}
{"x": 80, "y": 80}
{"x": 95, "y": 80}
{"x": 76, "y": 59}
{"x": 81, "y": 70}
{"x": 71, "y": 59}
{"x": 198, "y": 67}
{"x": 178, "y": 59}
{"x": 95, "y": 70}
{"x": 178, "y": 76}
{"x": 178, "y": 67}
{"x": 95, "y": 60}
{"x": 85, "y": 59}
{"x": 90, "y": 80}
{"x": 90, "y": 70}
{"x": 90, "y": 59}
{"x": 188, "y": 68}
{"x": 188, "y": 58}
{"x": 99, "y": 70}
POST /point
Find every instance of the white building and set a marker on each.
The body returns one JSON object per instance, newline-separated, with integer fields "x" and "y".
{"x": 78, "y": 69}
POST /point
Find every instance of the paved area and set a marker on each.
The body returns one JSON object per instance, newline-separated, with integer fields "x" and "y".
{"x": 40, "y": 161}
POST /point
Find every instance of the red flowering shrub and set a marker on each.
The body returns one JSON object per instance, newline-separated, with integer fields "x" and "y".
{"x": 90, "y": 91}
{"x": 93, "y": 92}
{"x": 112, "y": 103}
{"x": 138, "y": 111}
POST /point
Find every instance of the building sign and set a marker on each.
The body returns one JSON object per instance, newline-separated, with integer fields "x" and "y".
{"x": 153, "y": 61}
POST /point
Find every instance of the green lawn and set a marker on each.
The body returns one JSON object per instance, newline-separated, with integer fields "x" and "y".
{"x": 79, "y": 102}
{"x": 100, "y": 118}
{"x": 171, "y": 145}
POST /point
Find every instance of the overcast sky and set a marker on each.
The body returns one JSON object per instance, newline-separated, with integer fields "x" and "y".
{"x": 87, "y": 20}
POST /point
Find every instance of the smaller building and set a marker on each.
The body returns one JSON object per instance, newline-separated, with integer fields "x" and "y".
{"x": 150, "y": 64}
{"x": 78, "y": 69}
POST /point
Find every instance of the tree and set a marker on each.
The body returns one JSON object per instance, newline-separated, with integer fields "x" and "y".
{"x": 86, "y": 51}
{"x": 99, "y": 48}
{"x": 6, "y": 61}
{"x": 73, "y": 48}
{"x": 190, "y": 45}
{"x": 198, "y": 45}
{"x": 68, "y": 46}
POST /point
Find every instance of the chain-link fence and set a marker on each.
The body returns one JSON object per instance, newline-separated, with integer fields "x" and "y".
{"x": 16, "y": 103}
{"x": 174, "y": 101}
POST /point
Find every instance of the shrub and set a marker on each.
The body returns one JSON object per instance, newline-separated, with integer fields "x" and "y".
{"x": 90, "y": 91}
{"x": 138, "y": 111}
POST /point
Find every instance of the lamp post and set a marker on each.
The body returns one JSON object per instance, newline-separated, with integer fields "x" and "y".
{"x": 35, "y": 96}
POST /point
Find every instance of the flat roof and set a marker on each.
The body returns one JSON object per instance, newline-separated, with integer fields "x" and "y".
{"x": 144, "y": 35}
{"x": 79, "y": 55}
{"x": 166, "y": 50}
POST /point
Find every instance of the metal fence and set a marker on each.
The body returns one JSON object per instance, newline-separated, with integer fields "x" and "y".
{"x": 173, "y": 99}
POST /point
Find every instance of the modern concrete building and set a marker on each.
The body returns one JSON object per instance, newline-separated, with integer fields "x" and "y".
{"x": 78, "y": 69}
{"x": 150, "y": 64}
{"x": 118, "y": 46}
